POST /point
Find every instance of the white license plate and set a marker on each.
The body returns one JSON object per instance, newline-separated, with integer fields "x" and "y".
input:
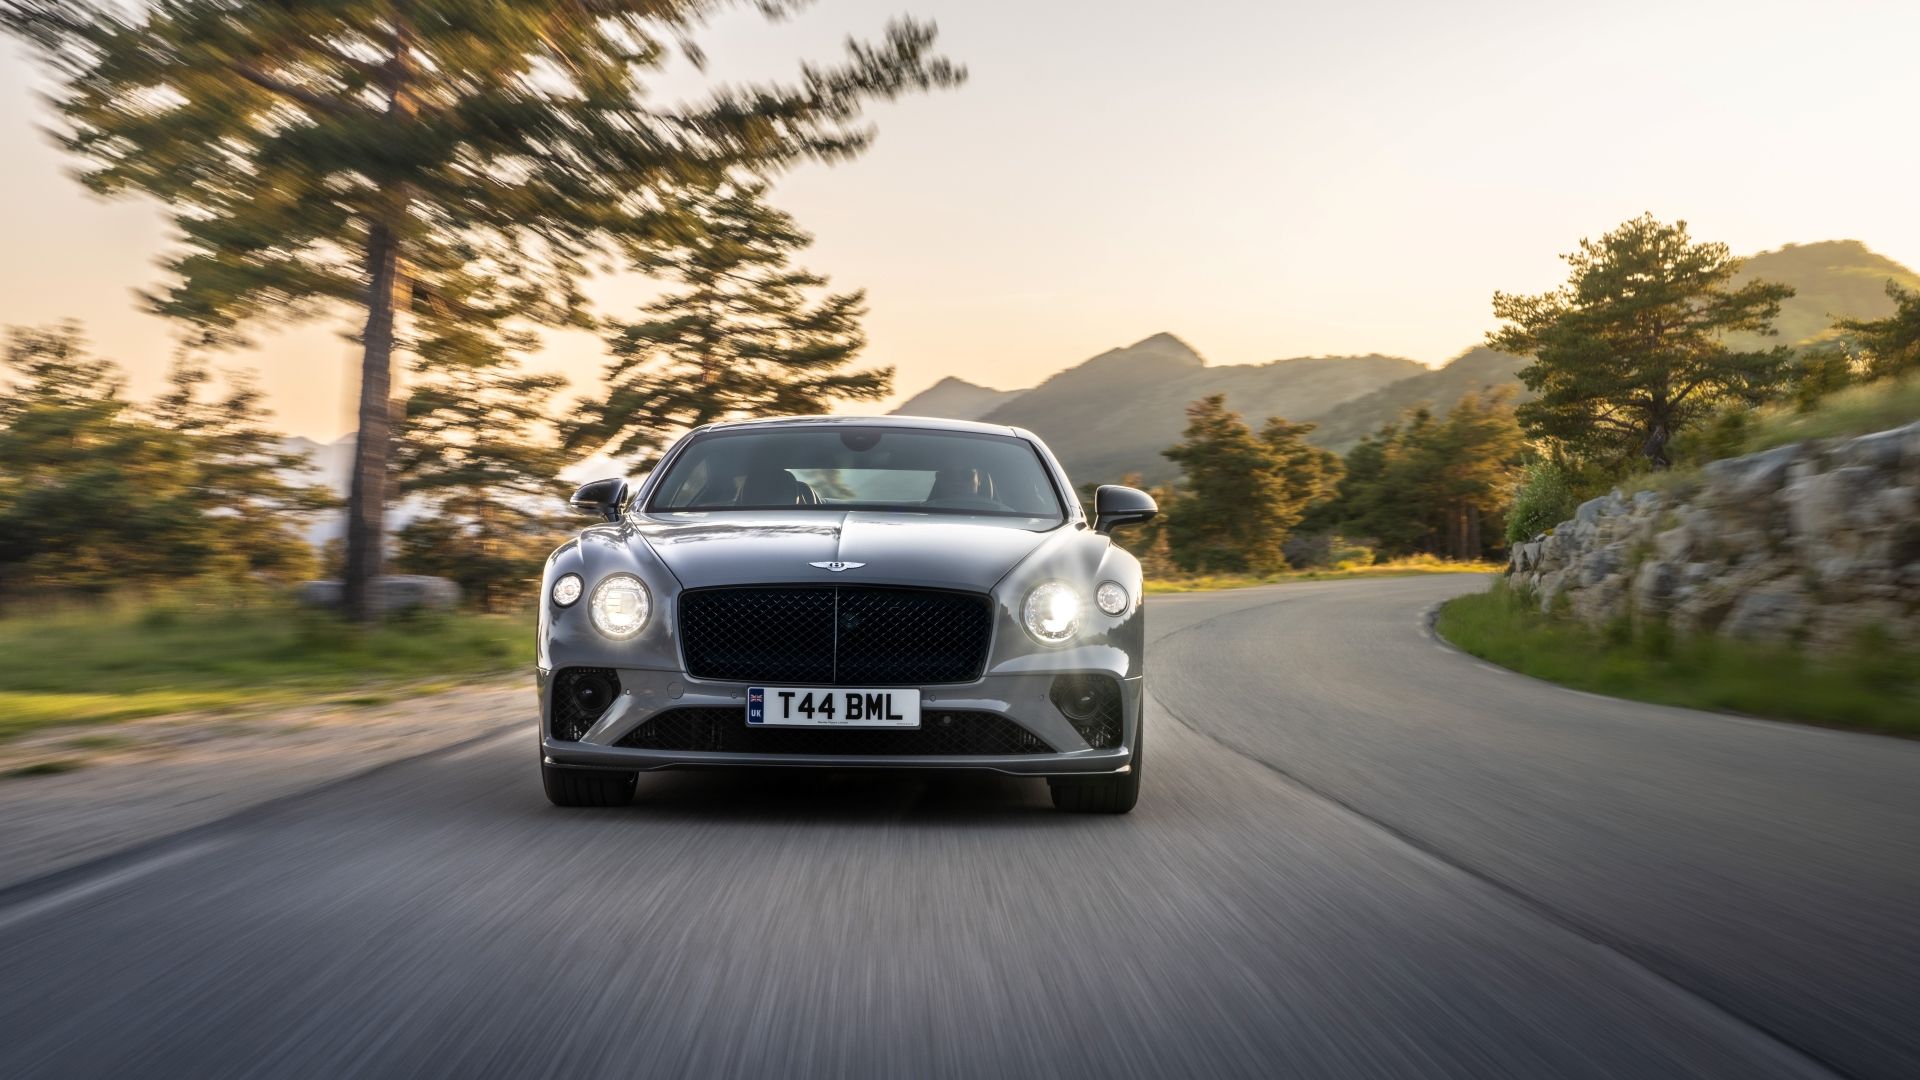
{"x": 812, "y": 706}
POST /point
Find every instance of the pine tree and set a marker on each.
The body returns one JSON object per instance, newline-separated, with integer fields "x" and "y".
{"x": 477, "y": 446}
{"x": 244, "y": 477}
{"x": 1434, "y": 486}
{"x": 440, "y": 164}
{"x": 1632, "y": 350}
{"x": 1241, "y": 492}
{"x": 739, "y": 335}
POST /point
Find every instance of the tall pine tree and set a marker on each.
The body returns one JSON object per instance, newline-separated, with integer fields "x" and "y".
{"x": 1632, "y": 349}
{"x": 434, "y": 164}
{"x": 479, "y": 449}
{"x": 739, "y": 334}
{"x": 1241, "y": 492}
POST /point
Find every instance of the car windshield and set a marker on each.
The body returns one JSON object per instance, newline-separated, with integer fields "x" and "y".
{"x": 860, "y": 468}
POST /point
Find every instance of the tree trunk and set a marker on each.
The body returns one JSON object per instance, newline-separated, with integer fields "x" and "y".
{"x": 373, "y": 448}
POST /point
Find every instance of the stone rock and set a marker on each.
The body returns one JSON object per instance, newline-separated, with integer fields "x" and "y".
{"x": 1744, "y": 478}
{"x": 1775, "y": 612}
{"x": 1654, "y": 586}
{"x": 1673, "y": 545}
{"x": 395, "y": 593}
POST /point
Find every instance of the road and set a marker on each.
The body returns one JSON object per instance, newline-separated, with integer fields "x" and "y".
{"x": 1358, "y": 854}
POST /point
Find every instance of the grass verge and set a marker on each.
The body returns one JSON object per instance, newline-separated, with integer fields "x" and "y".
{"x": 1873, "y": 688}
{"x": 1408, "y": 567}
{"x": 126, "y": 660}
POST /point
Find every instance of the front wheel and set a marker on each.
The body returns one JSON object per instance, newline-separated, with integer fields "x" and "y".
{"x": 1102, "y": 794}
{"x": 587, "y": 787}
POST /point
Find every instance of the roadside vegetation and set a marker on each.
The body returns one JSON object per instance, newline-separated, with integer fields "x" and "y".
{"x": 191, "y": 653}
{"x": 1872, "y": 687}
{"x": 1411, "y": 566}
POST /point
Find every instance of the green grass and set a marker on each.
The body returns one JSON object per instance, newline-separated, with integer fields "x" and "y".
{"x": 124, "y": 660}
{"x": 1873, "y": 688}
{"x": 1856, "y": 410}
{"x": 1414, "y": 565}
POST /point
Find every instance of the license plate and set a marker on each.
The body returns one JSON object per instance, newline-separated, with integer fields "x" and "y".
{"x": 812, "y": 706}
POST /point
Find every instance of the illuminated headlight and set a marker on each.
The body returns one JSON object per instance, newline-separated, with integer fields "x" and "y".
{"x": 620, "y": 606}
{"x": 1112, "y": 597}
{"x": 567, "y": 589}
{"x": 1052, "y": 613}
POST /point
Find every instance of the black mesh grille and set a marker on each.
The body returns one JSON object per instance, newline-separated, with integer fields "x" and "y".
{"x": 1091, "y": 703}
{"x": 571, "y": 717}
{"x": 725, "y": 730}
{"x": 845, "y": 635}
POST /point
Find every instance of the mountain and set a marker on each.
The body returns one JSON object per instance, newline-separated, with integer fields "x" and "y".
{"x": 1112, "y": 414}
{"x": 956, "y": 399}
{"x": 1479, "y": 370}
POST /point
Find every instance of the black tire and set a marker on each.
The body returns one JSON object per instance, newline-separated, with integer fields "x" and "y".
{"x": 587, "y": 787}
{"x": 1102, "y": 794}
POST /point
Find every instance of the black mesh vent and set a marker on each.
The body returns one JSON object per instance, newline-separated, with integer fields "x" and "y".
{"x": 723, "y": 729}
{"x": 851, "y": 636}
{"x": 574, "y": 713}
{"x": 1091, "y": 703}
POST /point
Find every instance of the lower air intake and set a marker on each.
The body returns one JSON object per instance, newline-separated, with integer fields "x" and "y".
{"x": 942, "y": 733}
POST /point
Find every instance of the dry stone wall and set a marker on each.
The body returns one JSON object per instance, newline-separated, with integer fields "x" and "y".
{"x": 1813, "y": 544}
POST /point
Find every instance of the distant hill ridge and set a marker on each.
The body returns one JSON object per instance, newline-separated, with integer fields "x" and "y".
{"x": 1113, "y": 413}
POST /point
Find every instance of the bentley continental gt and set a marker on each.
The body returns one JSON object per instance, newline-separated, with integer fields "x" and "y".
{"x": 841, "y": 593}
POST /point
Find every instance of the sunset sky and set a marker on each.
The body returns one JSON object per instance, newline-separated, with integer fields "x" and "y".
{"x": 1264, "y": 179}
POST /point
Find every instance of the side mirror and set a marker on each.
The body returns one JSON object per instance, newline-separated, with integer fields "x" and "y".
{"x": 1114, "y": 506}
{"x": 603, "y": 498}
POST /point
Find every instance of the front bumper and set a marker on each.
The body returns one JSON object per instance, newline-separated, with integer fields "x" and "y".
{"x": 1023, "y": 698}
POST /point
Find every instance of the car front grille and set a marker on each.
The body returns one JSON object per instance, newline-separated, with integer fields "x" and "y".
{"x": 722, "y": 729}
{"x": 835, "y": 635}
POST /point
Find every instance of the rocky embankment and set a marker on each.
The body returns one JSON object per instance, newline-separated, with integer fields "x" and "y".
{"x": 1817, "y": 544}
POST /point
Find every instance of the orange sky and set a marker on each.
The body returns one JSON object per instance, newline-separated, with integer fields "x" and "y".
{"x": 1263, "y": 179}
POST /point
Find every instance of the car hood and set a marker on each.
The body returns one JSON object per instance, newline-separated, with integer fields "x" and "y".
{"x": 935, "y": 551}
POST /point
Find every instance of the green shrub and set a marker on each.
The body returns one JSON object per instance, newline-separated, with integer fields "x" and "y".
{"x": 1546, "y": 498}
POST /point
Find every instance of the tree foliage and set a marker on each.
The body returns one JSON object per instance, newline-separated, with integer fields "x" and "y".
{"x": 98, "y": 494}
{"x": 478, "y": 448}
{"x": 1891, "y": 346}
{"x": 1241, "y": 492}
{"x": 244, "y": 478}
{"x": 1431, "y": 485}
{"x": 738, "y": 334}
{"x": 1632, "y": 349}
{"x": 448, "y": 167}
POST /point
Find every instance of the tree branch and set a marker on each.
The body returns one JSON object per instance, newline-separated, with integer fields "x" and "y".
{"x": 274, "y": 84}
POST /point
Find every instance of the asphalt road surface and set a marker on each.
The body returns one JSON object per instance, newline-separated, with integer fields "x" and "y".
{"x": 1358, "y": 854}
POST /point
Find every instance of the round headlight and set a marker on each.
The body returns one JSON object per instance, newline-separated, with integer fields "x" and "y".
{"x": 1052, "y": 613}
{"x": 620, "y": 605}
{"x": 567, "y": 589}
{"x": 1112, "y": 597}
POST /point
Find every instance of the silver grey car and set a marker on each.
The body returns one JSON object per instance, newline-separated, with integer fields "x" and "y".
{"x": 841, "y": 593}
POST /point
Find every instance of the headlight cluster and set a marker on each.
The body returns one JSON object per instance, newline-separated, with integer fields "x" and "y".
{"x": 620, "y": 607}
{"x": 1052, "y": 610}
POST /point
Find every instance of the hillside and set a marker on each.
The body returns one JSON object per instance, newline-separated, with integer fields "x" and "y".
{"x": 1477, "y": 371}
{"x": 956, "y": 399}
{"x": 1830, "y": 279}
{"x": 1114, "y": 413}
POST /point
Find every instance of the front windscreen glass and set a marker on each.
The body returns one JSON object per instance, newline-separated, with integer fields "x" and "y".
{"x": 859, "y": 468}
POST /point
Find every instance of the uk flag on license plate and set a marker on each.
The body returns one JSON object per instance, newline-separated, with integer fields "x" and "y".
{"x": 756, "y": 706}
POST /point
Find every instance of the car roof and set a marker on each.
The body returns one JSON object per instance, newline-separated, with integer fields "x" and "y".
{"x": 932, "y": 423}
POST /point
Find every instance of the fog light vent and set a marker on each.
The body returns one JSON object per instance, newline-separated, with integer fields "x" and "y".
{"x": 580, "y": 696}
{"x": 1091, "y": 703}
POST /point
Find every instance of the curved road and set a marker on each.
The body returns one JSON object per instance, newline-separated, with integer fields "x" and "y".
{"x": 1359, "y": 854}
